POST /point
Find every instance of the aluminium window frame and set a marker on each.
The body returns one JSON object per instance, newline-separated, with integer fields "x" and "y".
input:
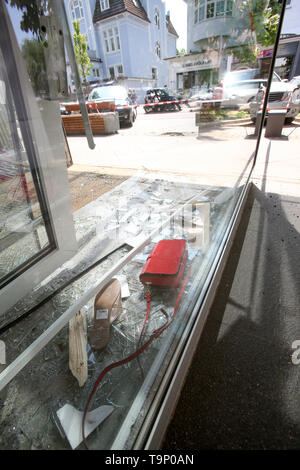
{"x": 166, "y": 398}
{"x": 47, "y": 152}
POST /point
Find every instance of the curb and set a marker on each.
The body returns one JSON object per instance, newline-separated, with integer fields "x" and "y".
{"x": 227, "y": 121}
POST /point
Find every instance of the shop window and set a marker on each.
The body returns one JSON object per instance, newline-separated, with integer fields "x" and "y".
{"x": 117, "y": 353}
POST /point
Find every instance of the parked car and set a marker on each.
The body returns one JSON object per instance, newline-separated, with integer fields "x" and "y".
{"x": 241, "y": 93}
{"x": 155, "y": 96}
{"x": 123, "y": 104}
{"x": 241, "y": 86}
{"x": 296, "y": 81}
{"x": 283, "y": 95}
{"x": 200, "y": 94}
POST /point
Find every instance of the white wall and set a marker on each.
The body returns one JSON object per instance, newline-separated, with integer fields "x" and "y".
{"x": 291, "y": 22}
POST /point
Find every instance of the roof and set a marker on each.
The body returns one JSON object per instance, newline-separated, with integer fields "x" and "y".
{"x": 120, "y": 6}
{"x": 170, "y": 27}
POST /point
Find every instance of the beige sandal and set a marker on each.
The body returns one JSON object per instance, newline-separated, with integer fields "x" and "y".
{"x": 107, "y": 307}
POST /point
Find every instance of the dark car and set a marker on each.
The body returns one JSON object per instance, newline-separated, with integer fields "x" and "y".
{"x": 161, "y": 99}
{"x": 119, "y": 95}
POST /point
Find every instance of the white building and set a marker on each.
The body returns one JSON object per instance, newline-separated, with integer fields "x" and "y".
{"x": 128, "y": 40}
{"x": 218, "y": 28}
{"x": 291, "y": 24}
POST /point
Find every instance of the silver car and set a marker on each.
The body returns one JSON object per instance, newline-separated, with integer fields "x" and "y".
{"x": 283, "y": 95}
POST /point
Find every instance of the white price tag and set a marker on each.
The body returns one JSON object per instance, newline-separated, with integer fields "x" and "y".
{"x": 102, "y": 314}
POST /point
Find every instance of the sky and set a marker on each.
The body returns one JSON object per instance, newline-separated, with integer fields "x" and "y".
{"x": 178, "y": 12}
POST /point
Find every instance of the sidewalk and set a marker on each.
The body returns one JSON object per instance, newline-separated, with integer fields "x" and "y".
{"x": 242, "y": 391}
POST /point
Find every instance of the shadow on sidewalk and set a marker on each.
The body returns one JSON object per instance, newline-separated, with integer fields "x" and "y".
{"x": 242, "y": 388}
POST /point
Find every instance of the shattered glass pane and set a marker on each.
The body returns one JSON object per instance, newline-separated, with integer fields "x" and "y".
{"x": 22, "y": 226}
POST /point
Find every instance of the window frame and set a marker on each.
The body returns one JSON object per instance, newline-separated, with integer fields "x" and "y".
{"x": 157, "y": 48}
{"x": 112, "y": 69}
{"x": 154, "y": 74}
{"x": 50, "y": 165}
{"x": 157, "y": 17}
{"x": 104, "y": 5}
{"x": 111, "y": 40}
{"x": 203, "y": 8}
{"x": 118, "y": 74}
{"x": 73, "y": 10}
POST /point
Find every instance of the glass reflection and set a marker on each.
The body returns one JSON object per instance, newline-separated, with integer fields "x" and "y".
{"x": 22, "y": 227}
{"x": 185, "y": 151}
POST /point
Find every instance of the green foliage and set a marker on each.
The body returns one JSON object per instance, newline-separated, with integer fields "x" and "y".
{"x": 242, "y": 114}
{"x": 247, "y": 54}
{"x": 32, "y": 10}
{"x": 262, "y": 17}
{"x": 80, "y": 47}
{"x": 180, "y": 52}
{"x": 265, "y": 21}
{"x": 33, "y": 53}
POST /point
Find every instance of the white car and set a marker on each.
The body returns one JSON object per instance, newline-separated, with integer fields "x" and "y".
{"x": 296, "y": 81}
{"x": 240, "y": 93}
{"x": 283, "y": 95}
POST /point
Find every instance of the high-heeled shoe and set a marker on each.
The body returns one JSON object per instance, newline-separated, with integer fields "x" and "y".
{"x": 107, "y": 307}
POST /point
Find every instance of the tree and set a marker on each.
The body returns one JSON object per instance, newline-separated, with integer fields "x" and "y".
{"x": 80, "y": 47}
{"x": 33, "y": 53}
{"x": 180, "y": 52}
{"x": 262, "y": 18}
{"x": 32, "y": 10}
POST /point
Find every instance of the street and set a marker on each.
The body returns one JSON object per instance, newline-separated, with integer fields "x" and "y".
{"x": 170, "y": 143}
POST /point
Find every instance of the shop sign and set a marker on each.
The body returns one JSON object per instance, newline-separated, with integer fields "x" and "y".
{"x": 197, "y": 62}
{"x": 265, "y": 54}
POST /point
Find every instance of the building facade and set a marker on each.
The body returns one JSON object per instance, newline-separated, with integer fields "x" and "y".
{"x": 213, "y": 27}
{"x": 128, "y": 40}
{"x": 218, "y": 28}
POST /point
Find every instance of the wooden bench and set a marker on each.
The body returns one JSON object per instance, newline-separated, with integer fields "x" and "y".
{"x": 73, "y": 124}
{"x": 102, "y": 107}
